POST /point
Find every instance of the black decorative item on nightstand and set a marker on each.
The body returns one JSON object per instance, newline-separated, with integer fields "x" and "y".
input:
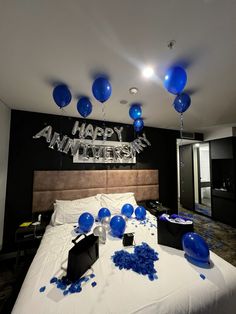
{"x": 28, "y": 238}
{"x": 156, "y": 208}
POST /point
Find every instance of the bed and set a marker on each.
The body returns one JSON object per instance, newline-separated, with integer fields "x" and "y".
{"x": 180, "y": 287}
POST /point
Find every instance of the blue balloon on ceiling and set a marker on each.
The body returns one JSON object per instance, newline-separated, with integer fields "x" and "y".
{"x": 127, "y": 210}
{"x": 182, "y": 102}
{"x": 61, "y": 95}
{"x": 117, "y": 225}
{"x": 103, "y": 212}
{"x": 84, "y": 106}
{"x": 175, "y": 80}
{"x": 101, "y": 89}
{"x": 140, "y": 213}
{"x": 195, "y": 248}
{"x": 85, "y": 222}
{"x": 135, "y": 111}
{"x": 138, "y": 124}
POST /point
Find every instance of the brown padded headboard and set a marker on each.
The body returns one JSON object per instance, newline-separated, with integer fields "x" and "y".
{"x": 68, "y": 185}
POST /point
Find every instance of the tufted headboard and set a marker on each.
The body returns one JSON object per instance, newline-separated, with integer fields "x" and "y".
{"x": 68, "y": 185}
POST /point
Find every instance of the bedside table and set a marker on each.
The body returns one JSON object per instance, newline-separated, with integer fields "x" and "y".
{"x": 28, "y": 238}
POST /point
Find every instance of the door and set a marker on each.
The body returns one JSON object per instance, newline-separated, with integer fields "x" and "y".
{"x": 186, "y": 177}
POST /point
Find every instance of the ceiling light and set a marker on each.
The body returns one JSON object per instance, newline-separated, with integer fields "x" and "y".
{"x": 133, "y": 90}
{"x": 148, "y": 72}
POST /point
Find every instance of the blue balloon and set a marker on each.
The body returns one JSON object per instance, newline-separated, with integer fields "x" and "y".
{"x": 84, "y": 106}
{"x": 140, "y": 213}
{"x": 175, "y": 80}
{"x": 195, "y": 248}
{"x": 138, "y": 125}
{"x": 101, "y": 89}
{"x": 182, "y": 102}
{"x": 103, "y": 212}
{"x": 85, "y": 222}
{"x": 117, "y": 225}
{"x": 127, "y": 210}
{"x": 62, "y": 95}
{"x": 135, "y": 111}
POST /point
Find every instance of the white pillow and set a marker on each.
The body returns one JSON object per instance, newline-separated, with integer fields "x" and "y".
{"x": 69, "y": 211}
{"x": 115, "y": 201}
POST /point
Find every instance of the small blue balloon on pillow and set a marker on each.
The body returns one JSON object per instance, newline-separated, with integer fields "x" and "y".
{"x": 103, "y": 212}
{"x": 140, "y": 213}
{"x": 127, "y": 210}
{"x": 117, "y": 225}
{"x": 85, "y": 222}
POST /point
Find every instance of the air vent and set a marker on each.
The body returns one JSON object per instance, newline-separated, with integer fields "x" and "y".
{"x": 188, "y": 135}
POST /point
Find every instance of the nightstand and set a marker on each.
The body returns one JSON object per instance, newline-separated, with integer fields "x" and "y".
{"x": 28, "y": 238}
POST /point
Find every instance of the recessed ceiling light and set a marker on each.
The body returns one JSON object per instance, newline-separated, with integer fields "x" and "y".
{"x": 148, "y": 72}
{"x": 133, "y": 90}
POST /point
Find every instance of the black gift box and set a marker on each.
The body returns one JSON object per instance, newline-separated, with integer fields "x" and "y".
{"x": 128, "y": 239}
{"x": 82, "y": 256}
{"x": 170, "y": 233}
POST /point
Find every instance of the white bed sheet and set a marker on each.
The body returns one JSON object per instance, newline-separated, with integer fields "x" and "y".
{"x": 179, "y": 288}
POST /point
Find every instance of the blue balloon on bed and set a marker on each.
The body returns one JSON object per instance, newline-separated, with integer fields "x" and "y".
{"x": 103, "y": 212}
{"x": 85, "y": 222}
{"x": 140, "y": 213}
{"x": 196, "y": 249}
{"x": 127, "y": 210}
{"x": 117, "y": 225}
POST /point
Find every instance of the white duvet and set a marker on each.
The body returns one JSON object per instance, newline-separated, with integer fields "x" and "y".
{"x": 179, "y": 288}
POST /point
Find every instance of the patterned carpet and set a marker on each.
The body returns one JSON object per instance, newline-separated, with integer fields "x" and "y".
{"x": 220, "y": 237}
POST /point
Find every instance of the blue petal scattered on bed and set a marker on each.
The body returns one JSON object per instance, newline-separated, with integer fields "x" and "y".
{"x": 141, "y": 261}
{"x": 68, "y": 287}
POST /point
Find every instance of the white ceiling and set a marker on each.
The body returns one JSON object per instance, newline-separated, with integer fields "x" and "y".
{"x": 70, "y": 41}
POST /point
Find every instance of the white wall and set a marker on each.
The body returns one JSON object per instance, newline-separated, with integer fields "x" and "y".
{"x": 215, "y": 133}
{"x": 5, "y": 116}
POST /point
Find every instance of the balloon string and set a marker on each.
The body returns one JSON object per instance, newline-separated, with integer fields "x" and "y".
{"x": 181, "y": 137}
{"x": 181, "y": 127}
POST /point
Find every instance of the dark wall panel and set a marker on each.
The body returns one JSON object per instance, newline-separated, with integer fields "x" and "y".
{"x": 27, "y": 154}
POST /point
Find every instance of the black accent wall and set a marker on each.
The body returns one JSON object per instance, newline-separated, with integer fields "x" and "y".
{"x": 27, "y": 154}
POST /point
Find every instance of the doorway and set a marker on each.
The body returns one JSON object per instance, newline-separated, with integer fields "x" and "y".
{"x": 203, "y": 178}
{"x": 194, "y": 177}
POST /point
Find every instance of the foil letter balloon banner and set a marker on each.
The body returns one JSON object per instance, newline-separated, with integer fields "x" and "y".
{"x": 85, "y": 222}
{"x": 175, "y": 80}
{"x": 127, "y": 210}
{"x": 118, "y": 131}
{"x": 117, "y": 225}
{"x": 182, "y": 102}
{"x": 135, "y": 111}
{"x": 103, "y": 212}
{"x": 62, "y": 95}
{"x": 138, "y": 125}
{"x": 140, "y": 213}
{"x": 84, "y": 107}
{"x": 46, "y": 132}
{"x": 101, "y": 89}
{"x": 195, "y": 248}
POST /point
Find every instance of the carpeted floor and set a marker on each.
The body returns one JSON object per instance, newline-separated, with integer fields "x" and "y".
{"x": 220, "y": 237}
